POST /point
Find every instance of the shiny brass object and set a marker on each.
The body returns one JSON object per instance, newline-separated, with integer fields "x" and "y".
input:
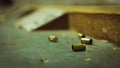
{"x": 86, "y": 41}
{"x": 78, "y": 47}
{"x": 81, "y": 35}
{"x": 53, "y": 38}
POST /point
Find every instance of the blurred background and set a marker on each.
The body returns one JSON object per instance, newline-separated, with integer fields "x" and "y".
{"x": 61, "y": 2}
{"x": 70, "y": 2}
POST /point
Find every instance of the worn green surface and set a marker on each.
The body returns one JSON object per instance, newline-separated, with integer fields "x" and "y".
{"x": 21, "y": 49}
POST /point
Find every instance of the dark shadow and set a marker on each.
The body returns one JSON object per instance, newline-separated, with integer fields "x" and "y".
{"x": 6, "y": 3}
{"x": 29, "y": 11}
{"x": 60, "y": 23}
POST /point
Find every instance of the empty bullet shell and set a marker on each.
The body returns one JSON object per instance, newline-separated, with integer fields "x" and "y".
{"x": 53, "y": 38}
{"x": 86, "y": 41}
{"x": 78, "y": 47}
{"x": 81, "y": 35}
{"x": 44, "y": 60}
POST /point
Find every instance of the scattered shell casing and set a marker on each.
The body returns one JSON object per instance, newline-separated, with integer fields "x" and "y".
{"x": 78, "y": 47}
{"x": 44, "y": 60}
{"x": 52, "y": 38}
{"x": 81, "y": 35}
{"x": 86, "y": 41}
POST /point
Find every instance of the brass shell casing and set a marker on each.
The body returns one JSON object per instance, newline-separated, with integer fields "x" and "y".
{"x": 86, "y": 41}
{"x": 53, "y": 38}
{"x": 78, "y": 47}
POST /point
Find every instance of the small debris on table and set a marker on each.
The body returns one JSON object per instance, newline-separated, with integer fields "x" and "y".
{"x": 78, "y": 47}
{"x": 44, "y": 60}
{"x": 106, "y": 41}
{"x": 86, "y": 41}
{"x": 88, "y": 59}
{"x": 115, "y": 48}
{"x": 53, "y": 38}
